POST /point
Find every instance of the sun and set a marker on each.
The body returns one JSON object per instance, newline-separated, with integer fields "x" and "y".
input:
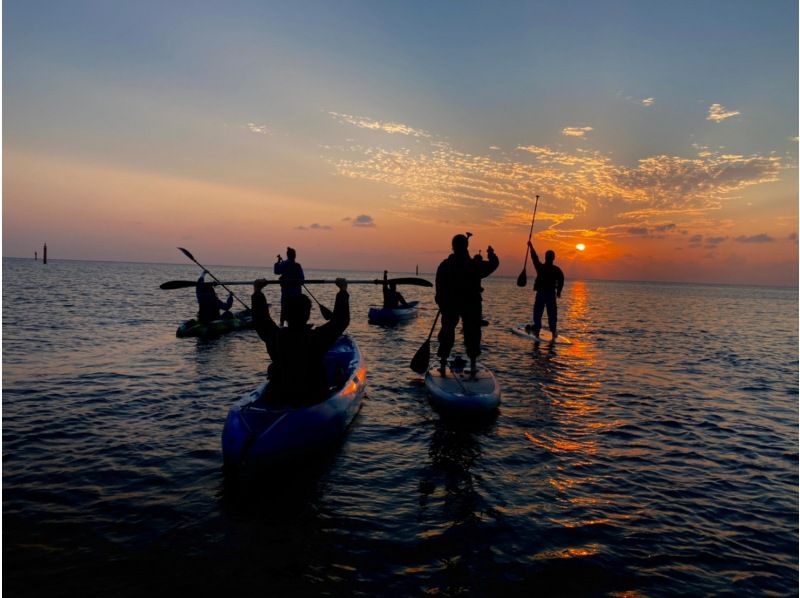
{"x": 580, "y": 247}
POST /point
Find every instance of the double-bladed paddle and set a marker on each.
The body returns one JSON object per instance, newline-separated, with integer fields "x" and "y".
{"x": 185, "y": 284}
{"x": 422, "y": 358}
{"x": 522, "y": 279}
{"x": 222, "y": 284}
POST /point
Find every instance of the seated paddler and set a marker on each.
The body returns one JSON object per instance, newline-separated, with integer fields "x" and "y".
{"x": 208, "y": 304}
{"x": 298, "y": 375}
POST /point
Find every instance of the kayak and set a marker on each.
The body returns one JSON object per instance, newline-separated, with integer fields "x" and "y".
{"x": 385, "y": 315}
{"x": 258, "y": 433}
{"x": 240, "y": 321}
{"x": 545, "y": 336}
{"x": 460, "y": 393}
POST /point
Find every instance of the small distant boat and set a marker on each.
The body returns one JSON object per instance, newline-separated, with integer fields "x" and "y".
{"x": 258, "y": 433}
{"x": 461, "y": 393}
{"x": 385, "y": 315}
{"x": 240, "y": 321}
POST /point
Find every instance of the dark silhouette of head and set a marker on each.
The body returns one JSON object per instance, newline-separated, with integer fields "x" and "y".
{"x": 290, "y": 253}
{"x": 207, "y": 287}
{"x": 297, "y": 310}
{"x": 549, "y": 256}
{"x": 460, "y": 243}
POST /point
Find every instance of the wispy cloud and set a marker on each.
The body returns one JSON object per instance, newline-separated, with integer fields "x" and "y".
{"x": 718, "y": 113}
{"x": 377, "y": 125}
{"x": 575, "y": 131}
{"x": 314, "y": 226}
{"x": 649, "y": 101}
{"x": 259, "y": 129}
{"x": 760, "y": 238}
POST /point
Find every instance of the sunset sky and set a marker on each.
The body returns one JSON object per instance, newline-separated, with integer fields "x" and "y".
{"x": 661, "y": 135}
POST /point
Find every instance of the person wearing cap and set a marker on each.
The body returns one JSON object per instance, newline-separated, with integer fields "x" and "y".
{"x": 548, "y": 285}
{"x": 289, "y": 270}
{"x": 297, "y": 373}
{"x": 208, "y": 304}
{"x": 458, "y": 295}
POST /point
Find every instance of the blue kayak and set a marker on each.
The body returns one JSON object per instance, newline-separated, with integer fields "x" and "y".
{"x": 261, "y": 433}
{"x": 384, "y": 315}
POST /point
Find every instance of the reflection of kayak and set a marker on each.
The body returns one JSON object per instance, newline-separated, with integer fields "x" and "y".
{"x": 261, "y": 433}
{"x": 397, "y": 314}
{"x": 544, "y": 335}
{"x": 239, "y": 321}
{"x": 459, "y": 393}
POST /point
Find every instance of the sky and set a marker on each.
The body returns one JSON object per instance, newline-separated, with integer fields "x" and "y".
{"x": 662, "y": 136}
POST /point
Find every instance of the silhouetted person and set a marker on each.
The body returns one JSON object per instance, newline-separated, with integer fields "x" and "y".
{"x": 458, "y": 294}
{"x": 289, "y": 269}
{"x": 209, "y": 305}
{"x": 548, "y": 285}
{"x": 297, "y": 374}
{"x": 391, "y": 298}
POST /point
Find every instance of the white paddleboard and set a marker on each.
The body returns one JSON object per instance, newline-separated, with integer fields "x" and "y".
{"x": 544, "y": 335}
{"x": 460, "y": 392}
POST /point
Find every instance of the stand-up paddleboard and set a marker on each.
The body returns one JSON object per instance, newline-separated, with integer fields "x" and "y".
{"x": 545, "y": 336}
{"x": 458, "y": 392}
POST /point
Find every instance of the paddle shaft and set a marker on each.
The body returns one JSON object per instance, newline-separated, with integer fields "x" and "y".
{"x": 181, "y": 284}
{"x": 222, "y": 284}
{"x": 530, "y": 233}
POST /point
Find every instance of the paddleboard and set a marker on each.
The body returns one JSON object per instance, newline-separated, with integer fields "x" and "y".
{"x": 458, "y": 392}
{"x": 544, "y": 335}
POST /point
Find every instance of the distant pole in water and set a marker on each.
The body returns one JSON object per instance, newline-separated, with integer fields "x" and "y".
{"x": 44, "y": 256}
{"x": 35, "y": 256}
{"x": 417, "y": 269}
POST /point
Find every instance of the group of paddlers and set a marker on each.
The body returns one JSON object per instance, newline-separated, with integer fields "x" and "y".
{"x": 297, "y": 349}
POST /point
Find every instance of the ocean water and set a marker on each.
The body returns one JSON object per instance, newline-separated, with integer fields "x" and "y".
{"x": 656, "y": 455}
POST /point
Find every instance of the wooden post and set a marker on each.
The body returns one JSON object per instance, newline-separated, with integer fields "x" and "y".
{"x": 35, "y": 256}
{"x": 44, "y": 257}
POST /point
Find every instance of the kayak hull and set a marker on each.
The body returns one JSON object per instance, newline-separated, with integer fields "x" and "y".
{"x": 459, "y": 393}
{"x": 193, "y": 328}
{"x": 261, "y": 434}
{"x": 382, "y": 315}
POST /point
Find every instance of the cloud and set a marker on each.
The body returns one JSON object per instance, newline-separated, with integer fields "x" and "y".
{"x": 761, "y": 238}
{"x": 638, "y": 230}
{"x": 363, "y": 221}
{"x": 662, "y": 228}
{"x": 649, "y": 101}
{"x": 259, "y": 129}
{"x": 792, "y": 237}
{"x": 386, "y": 127}
{"x": 314, "y": 226}
{"x": 718, "y": 113}
{"x": 575, "y": 131}
{"x": 714, "y": 241}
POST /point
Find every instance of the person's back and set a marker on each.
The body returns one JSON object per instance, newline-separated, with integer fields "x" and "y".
{"x": 208, "y": 304}
{"x": 298, "y": 375}
{"x": 549, "y": 277}
{"x": 458, "y": 279}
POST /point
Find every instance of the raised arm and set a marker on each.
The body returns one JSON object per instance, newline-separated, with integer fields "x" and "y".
{"x": 534, "y": 258}
{"x": 330, "y": 331}
{"x": 491, "y": 264}
{"x": 263, "y": 323}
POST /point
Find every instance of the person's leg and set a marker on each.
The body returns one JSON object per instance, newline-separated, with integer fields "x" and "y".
{"x": 538, "y": 310}
{"x": 472, "y": 334}
{"x": 447, "y": 337}
{"x": 552, "y": 314}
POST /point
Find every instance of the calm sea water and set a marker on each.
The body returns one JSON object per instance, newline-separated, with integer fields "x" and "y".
{"x": 656, "y": 455}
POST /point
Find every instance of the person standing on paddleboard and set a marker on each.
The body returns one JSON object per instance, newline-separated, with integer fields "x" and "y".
{"x": 297, "y": 374}
{"x": 208, "y": 304}
{"x": 458, "y": 295}
{"x": 548, "y": 285}
{"x": 289, "y": 269}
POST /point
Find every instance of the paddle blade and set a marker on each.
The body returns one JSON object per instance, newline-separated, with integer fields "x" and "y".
{"x": 417, "y": 282}
{"x": 421, "y": 360}
{"x": 187, "y": 254}
{"x": 177, "y": 284}
{"x": 522, "y": 279}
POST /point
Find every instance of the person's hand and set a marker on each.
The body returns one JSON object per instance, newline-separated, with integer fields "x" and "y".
{"x": 490, "y": 250}
{"x": 341, "y": 283}
{"x": 280, "y": 259}
{"x": 259, "y": 284}
{"x": 530, "y": 245}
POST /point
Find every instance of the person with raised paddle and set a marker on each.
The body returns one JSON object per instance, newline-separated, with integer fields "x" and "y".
{"x": 289, "y": 270}
{"x": 548, "y": 285}
{"x": 458, "y": 295}
{"x": 297, "y": 374}
{"x": 209, "y": 305}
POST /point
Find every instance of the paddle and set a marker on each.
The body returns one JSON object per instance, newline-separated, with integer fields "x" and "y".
{"x": 422, "y": 358}
{"x": 184, "y": 284}
{"x": 522, "y": 279}
{"x": 191, "y": 257}
{"x": 326, "y": 313}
